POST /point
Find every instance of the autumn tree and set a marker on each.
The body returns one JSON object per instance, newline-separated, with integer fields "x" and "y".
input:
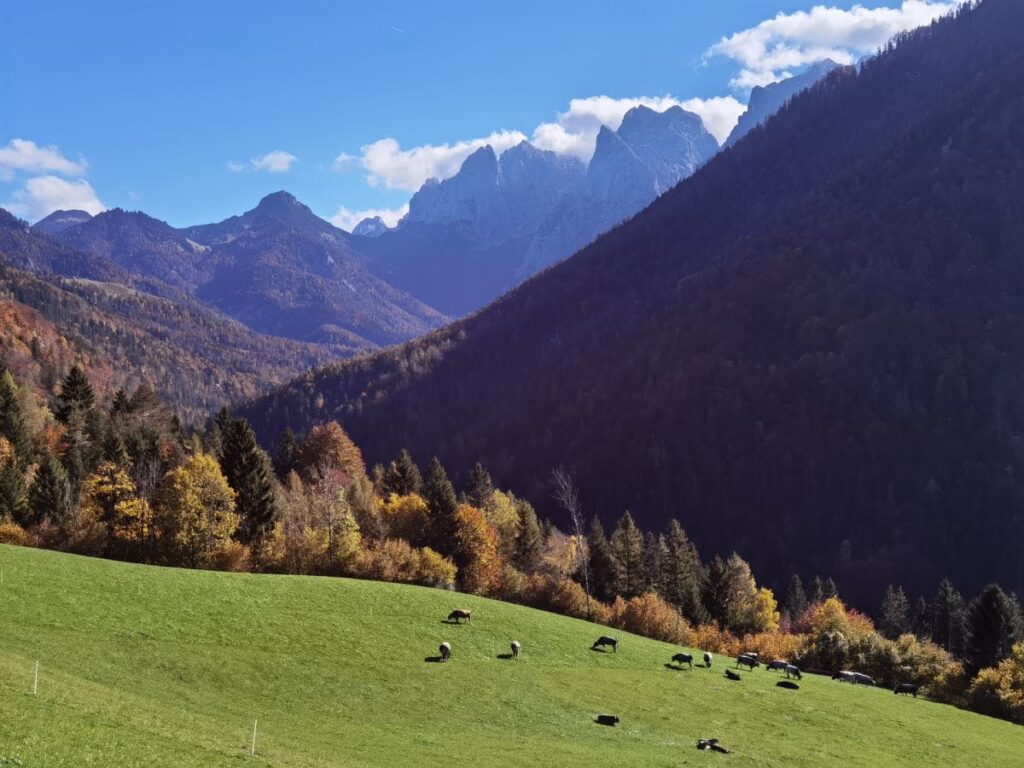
{"x": 195, "y": 511}
{"x": 250, "y": 475}
{"x": 733, "y": 597}
{"x": 109, "y": 496}
{"x": 328, "y": 448}
{"x": 442, "y": 502}
{"x": 406, "y": 517}
{"x": 476, "y": 552}
{"x": 402, "y": 476}
{"x": 627, "y": 545}
{"x": 331, "y": 515}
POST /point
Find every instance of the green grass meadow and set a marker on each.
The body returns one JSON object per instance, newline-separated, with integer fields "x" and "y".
{"x": 144, "y": 666}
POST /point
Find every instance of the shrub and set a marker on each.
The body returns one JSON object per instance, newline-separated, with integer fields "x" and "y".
{"x": 649, "y": 615}
{"x": 12, "y": 533}
{"x": 233, "y": 556}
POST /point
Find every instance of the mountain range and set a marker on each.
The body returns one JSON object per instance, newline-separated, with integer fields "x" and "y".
{"x": 812, "y": 348}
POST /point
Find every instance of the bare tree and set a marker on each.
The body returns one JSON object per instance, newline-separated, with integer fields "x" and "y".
{"x": 566, "y": 494}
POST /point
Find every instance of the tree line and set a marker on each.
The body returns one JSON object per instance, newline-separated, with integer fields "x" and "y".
{"x": 125, "y": 480}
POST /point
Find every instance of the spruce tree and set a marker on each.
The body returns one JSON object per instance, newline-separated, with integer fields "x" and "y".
{"x": 994, "y": 625}
{"x": 120, "y": 406}
{"x": 12, "y": 422}
{"x": 684, "y": 575}
{"x": 286, "y": 460}
{"x": 796, "y": 599}
{"x": 76, "y": 395}
{"x": 921, "y": 619}
{"x": 13, "y": 498}
{"x": 601, "y": 562}
{"x": 830, "y": 588}
{"x": 249, "y": 473}
{"x": 627, "y": 543}
{"x": 49, "y": 499}
{"x": 655, "y": 553}
{"x": 402, "y": 476}
{"x": 895, "y": 618}
{"x": 114, "y": 450}
{"x": 442, "y": 503}
{"x": 479, "y": 487}
{"x": 529, "y": 542}
{"x": 949, "y": 619}
{"x": 817, "y": 593}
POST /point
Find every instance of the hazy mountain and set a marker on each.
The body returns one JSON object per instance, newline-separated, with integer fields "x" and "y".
{"x": 370, "y": 227}
{"x": 766, "y": 100}
{"x": 58, "y": 221}
{"x": 278, "y": 268}
{"x": 812, "y": 349}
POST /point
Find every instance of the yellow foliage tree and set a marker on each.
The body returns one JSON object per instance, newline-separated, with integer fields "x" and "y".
{"x": 501, "y": 512}
{"x": 476, "y": 551}
{"x": 999, "y": 690}
{"x": 110, "y": 500}
{"x": 406, "y": 517}
{"x": 766, "y": 611}
{"x": 328, "y": 449}
{"x": 6, "y": 451}
{"x": 195, "y": 511}
{"x": 649, "y": 615}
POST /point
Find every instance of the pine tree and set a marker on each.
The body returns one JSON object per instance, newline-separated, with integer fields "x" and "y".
{"x": 949, "y": 619}
{"x": 601, "y": 562}
{"x": 286, "y": 460}
{"x": 249, "y": 473}
{"x": 120, "y": 406}
{"x": 655, "y": 554}
{"x": 817, "y": 593}
{"x": 49, "y": 498}
{"x": 684, "y": 575}
{"x": 439, "y": 494}
{"x": 402, "y": 476}
{"x": 796, "y": 599}
{"x": 994, "y": 625}
{"x": 12, "y": 422}
{"x": 830, "y": 588}
{"x": 13, "y": 498}
{"x": 114, "y": 450}
{"x": 627, "y": 543}
{"x": 529, "y": 541}
{"x": 76, "y": 395}
{"x": 921, "y": 619}
{"x": 895, "y": 618}
{"x": 479, "y": 487}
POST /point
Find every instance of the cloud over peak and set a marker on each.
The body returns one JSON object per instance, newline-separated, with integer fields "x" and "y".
{"x": 771, "y": 50}
{"x": 277, "y": 161}
{"x": 21, "y": 155}
{"x": 345, "y": 219}
{"x": 42, "y": 195}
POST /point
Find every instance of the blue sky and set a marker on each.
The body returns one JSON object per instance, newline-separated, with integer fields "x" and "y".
{"x": 192, "y": 111}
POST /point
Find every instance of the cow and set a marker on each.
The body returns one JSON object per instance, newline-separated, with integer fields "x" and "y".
{"x": 460, "y": 613}
{"x": 907, "y": 688}
{"x": 776, "y": 665}
{"x": 606, "y": 720}
{"x": 747, "y": 661}
{"x": 708, "y": 658}
{"x": 730, "y": 675}
{"x": 516, "y": 648}
{"x": 861, "y": 679}
{"x": 683, "y": 658}
{"x": 844, "y": 677}
{"x": 792, "y": 670}
{"x": 604, "y": 640}
{"x": 445, "y": 649}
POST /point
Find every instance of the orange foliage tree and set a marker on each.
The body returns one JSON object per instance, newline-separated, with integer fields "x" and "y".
{"x": 476, "y": 551}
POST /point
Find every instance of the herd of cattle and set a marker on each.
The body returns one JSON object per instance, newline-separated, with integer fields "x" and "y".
{"x": 749, "y": 660}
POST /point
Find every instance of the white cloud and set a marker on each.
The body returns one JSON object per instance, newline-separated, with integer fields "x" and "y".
{"x": 769, "y": 51}
{"x": 347, "y": 220}
{"x": 387, "y": 164}
{"x": 42, "y": 195}
{"x": 27, "y": 156}
{"x": 719, "y": 113}
{"x": 277, "y": 161}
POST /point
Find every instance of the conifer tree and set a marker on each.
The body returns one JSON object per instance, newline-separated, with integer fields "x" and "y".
{"x": 286, "y": 460}
{"x": 479, "y": 486}
{"x": 949, "y": 619}
{"x": 683, "y": 574}
{"x": 114, "y": 450}
{"x": 76, "y": 395}
{"x": 442, "y": 503}
{"x": 817, "y": 591}
{"x": 921, "y": 619}
{"x": 529, "y": 542}
{"x": 796, "y": 599}
{"x": 13, "y": 498}
{"x": 895, "y": 618}
{"x": 830, "y": 588}
{"x": 994, "y": 625}
{"x": 249, "y": 473}
{"x": 402, "y": 476}
{"x": 627, "y": 545}
{"x": 601, "y": 562}
{"x": 12, "y": 422}
{"x": 654, "y": 563}
{"x": 49, "y": 498}
{"x": 120, "y": 406}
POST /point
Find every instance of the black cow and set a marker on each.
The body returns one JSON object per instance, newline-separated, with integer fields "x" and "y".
{"x": 606, "y": 719}
{"x": 907, "y": 688}
{"x": 792, "y": 670}
{"x": 732, "y": 675}
{"x": 460, "y": 613}
{"x": 683, "y": 658}
{"x": 604, "y": 640}
{"x": 776, "y": 665}
{"x": 747, "y": 661}
{"x": 707, "y": 660}
{"x": 445, "y": 649}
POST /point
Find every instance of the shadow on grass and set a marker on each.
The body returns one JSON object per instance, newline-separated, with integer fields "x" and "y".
{"x": 505, "y": 656}
{"x": 433, "y": 659}
{"x": 600, "y": 650}
{"x": 675, "y": 668}
{"x": 454, "y": 622}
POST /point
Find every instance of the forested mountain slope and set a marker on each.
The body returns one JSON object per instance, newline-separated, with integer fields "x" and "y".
{"x": 812, "y": 349}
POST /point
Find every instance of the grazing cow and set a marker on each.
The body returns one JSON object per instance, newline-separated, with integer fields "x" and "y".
{"x": 731, "y": 675}
{"x": 907, "y": 688}
{"x": 844, "y": 677}
{"x": 752, "y": 654}
{"x": 683, "y": 658}
{"x": 862, "y": 679}
{"x": 445, "y": 649}
{"x": 460, "y": 613}
{"x": 516, "y": 648}
{"x": 747, "y": 661}
{"x": 708, "y": 658}
{"x": 792, "y": 670}
{"x": 607, "y": 719}
{"x": 711, "y": 744}
{"x": 604, "y": 640}
{"x": 776, "y": 665}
